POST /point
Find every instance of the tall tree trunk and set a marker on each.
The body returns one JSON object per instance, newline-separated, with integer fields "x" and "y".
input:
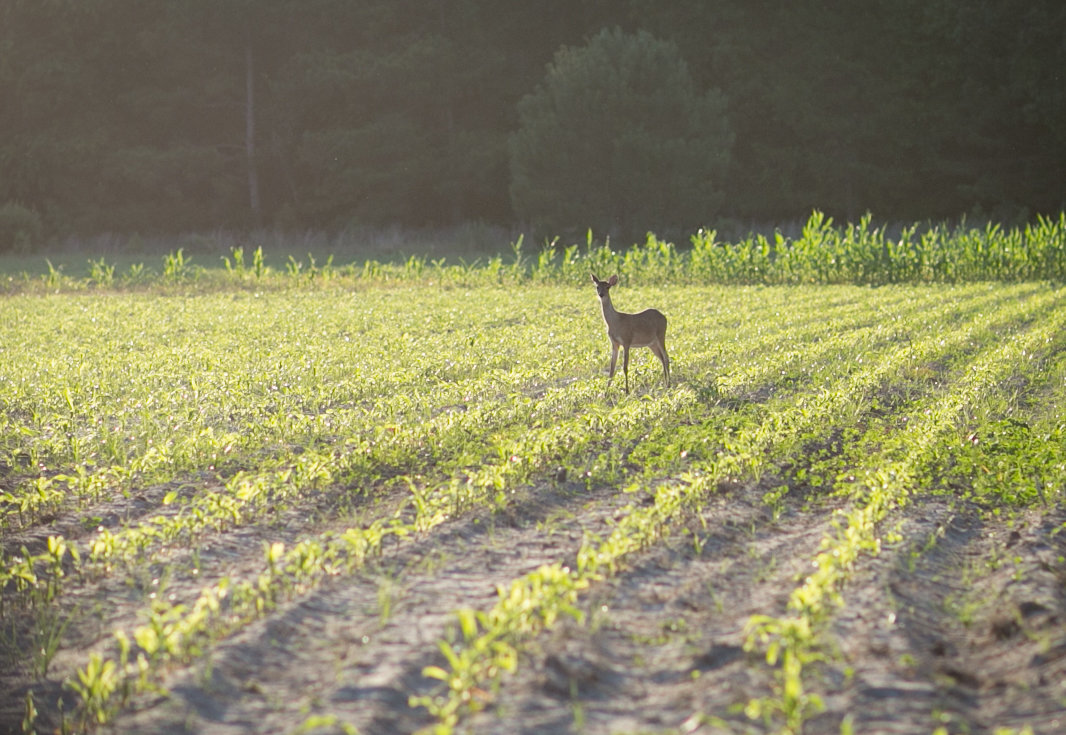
{"x": 249, "y": 131}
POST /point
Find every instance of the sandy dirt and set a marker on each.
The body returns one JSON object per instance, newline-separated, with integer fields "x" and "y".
{"x": 959, "y": 624}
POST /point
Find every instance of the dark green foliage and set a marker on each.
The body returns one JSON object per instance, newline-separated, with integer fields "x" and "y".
{"x": 178, "y": 115}
{"x": 619, "y": 138}
{"x": 20, "y": 228}
{"x": 1008, "y": 463}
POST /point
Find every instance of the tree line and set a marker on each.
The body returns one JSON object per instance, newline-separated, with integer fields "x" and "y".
{"x": 178, "y": 115}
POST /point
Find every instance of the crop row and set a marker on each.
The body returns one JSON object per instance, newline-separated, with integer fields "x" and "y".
{"x": 858, "y": 253}
{"x": 488, "y": 641}
{"x": 89, "y": 427}
{"x": 177, "y": 631}
{"x": 373, "y": 451}
{"x": 895, "y": 466}
{"x": 444, "y": 430}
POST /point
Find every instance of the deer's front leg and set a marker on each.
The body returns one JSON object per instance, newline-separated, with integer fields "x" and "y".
{"x": 614, "y": 361}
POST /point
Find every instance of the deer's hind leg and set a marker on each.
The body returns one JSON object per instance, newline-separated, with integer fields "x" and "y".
{"x": 660, "y": 351}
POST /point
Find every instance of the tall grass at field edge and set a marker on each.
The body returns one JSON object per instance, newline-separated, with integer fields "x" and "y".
{"x": 822, "y": 253}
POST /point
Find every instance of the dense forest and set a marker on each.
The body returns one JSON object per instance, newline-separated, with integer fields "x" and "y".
{"x": 179, "y": 115}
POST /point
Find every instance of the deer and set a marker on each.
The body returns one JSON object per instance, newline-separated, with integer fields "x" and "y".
{"x": 644, "y": 329}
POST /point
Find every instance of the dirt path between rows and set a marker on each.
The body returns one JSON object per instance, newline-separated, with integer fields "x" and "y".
{"x": 664, "y": 644}
{"x": 114, "y": 599}
{"x": 355, "y": 648}
{"x": 959, "y": 624}
{"x": 964, "y": 626}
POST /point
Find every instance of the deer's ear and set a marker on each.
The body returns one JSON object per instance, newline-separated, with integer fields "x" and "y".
{"x": 594, "y": 279}
{"x": 612, "y": 280}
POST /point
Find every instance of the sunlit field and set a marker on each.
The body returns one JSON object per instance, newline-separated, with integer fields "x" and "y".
{"x": 390, "y": 497}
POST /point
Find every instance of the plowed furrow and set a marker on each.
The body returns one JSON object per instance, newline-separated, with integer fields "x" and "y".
{"x": 365, "y": 639}
{"x": 663, "y": 646}
{"x": 962, "y": 627}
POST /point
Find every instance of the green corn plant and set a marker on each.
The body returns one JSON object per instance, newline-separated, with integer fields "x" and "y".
{"x": 236, "y": 266}
{"x": 97, "y": 685}
{"x": 101, "y": 274}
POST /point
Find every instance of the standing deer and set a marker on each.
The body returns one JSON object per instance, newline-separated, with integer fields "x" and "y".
{"x": 646, "y": 329}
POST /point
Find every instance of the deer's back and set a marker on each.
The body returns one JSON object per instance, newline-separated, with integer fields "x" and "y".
{"x": 653, "y": 317}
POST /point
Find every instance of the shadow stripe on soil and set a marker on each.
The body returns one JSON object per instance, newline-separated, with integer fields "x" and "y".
{"x": 876, "y": 372}
{"x": 663, "y": 642}
{"x": 376, "y": 660}
{"x": 964, "y": 626}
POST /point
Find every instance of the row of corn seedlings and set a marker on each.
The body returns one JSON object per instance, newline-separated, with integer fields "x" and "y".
{"x": 488, "y": 641}
{"x": 822, "y": 253}
{"x": 877, "y": 485}
{"x": 479, "y": 433}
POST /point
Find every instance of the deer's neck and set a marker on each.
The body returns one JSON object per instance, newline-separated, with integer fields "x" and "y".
{"x": 609, "y": 314}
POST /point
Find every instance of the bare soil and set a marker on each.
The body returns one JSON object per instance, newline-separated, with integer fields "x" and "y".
{"x": 960, "y": 624}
